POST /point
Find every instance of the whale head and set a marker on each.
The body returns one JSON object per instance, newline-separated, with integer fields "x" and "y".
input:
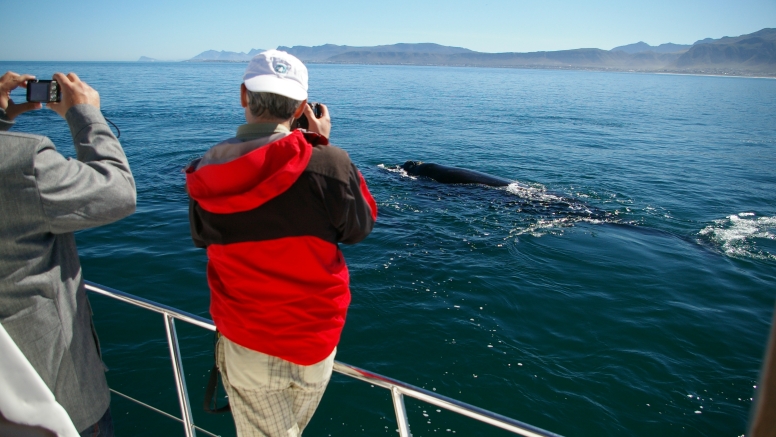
{"x": 409, "y": 166}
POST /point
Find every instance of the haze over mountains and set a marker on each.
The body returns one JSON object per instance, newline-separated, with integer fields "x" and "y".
{"x": 641, "y": 46}
{"x": 222, "y": 56}
{"x": 750, "y": 55}
{"x": 326, "y": 52}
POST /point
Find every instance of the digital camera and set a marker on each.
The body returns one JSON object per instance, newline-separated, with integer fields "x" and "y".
{"x": 43, "y": 91}
{"x": 302, "y": 121}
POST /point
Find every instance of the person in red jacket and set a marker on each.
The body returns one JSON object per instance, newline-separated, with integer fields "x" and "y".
{"x": 271, "y": 205}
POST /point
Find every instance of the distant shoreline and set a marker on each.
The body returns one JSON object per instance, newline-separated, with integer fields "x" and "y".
{"x": 753, "y": 75}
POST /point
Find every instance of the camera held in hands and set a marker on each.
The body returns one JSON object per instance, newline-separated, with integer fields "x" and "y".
{"x": 44, "y": 91}
{"x": 302, "y": 121}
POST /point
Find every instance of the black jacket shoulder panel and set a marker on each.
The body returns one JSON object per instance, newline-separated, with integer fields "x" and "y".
{"x": 326, "y": 202}
{"x": 330, "y": 161}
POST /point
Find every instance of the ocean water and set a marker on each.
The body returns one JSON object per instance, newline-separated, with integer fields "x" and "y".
{"x": 623, "y": 285}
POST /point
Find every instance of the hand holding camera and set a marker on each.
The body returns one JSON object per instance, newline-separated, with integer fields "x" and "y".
{"x": 74, "y": 92}
{"x": 316, "y": 119}
{"x": 9, "y": 82}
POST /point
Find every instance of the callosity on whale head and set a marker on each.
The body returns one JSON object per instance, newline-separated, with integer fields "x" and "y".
{"x": 409, "y": 165}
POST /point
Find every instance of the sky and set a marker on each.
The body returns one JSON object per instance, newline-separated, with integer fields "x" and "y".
{"x": 109, "y": 30}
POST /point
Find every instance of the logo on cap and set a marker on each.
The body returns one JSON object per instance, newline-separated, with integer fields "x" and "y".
{"x": 280, "y": 68}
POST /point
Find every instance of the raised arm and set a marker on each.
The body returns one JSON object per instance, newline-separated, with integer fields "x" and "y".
{"x": 96, "y": 189}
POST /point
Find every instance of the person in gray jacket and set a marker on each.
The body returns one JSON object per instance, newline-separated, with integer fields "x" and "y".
{"x": 44, "y": 198}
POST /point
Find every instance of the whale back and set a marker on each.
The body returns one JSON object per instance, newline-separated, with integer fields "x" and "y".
{"x": 453, "y": 175}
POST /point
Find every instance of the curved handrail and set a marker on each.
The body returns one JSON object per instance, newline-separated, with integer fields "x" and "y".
{"x": 397, "y": 388}
{"x": 441, "y": 401}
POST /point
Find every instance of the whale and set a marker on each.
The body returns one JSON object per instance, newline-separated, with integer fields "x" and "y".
{"x": 452, "y": 175}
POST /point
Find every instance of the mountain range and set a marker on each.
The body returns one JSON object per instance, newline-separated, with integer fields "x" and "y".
{"x": 223, "y": 56}
{"x": 750, "y": 55}
{"x": 326, "y": 52}
{"x": 641, "y": 46}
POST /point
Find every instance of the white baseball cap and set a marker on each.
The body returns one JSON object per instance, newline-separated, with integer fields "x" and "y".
{"x": 277, "y": 72}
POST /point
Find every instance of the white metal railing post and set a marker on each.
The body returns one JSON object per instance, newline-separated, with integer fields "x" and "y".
{"x": 401, "y": 412}
{"x": 180, "y": 378}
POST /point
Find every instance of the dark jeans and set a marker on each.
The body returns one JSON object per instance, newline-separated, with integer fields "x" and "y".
{"x": 103, "y": 427}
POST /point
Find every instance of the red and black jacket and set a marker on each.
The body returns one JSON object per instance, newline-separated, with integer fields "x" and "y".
{"x": 271, "y": 221}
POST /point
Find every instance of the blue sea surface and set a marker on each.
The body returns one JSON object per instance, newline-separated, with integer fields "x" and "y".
{"x": 623, "y": 285}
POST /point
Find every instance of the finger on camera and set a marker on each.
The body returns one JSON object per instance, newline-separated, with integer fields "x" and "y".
{"x": 75, "y": 91}
{"x": 21, "y": 80}
{"x": 308, "y": 112}
{"x": 324, "y": 111}
{"x": 61, "y": 79}
{"x": 10, "y": 80}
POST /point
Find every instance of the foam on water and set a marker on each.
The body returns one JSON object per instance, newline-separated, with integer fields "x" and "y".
{"x": 532, "y": 192}
{"x": 743, "y": 235}
{"x": 398, "y": 170}
{"x": 543, "y": 227}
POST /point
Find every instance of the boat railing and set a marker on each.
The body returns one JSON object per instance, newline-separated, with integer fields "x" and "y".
{"x": 397, "y": 388}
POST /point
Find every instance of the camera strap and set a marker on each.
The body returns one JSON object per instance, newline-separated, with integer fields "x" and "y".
{"x": 118, "y": 131}
{"x": 211, "y": 389}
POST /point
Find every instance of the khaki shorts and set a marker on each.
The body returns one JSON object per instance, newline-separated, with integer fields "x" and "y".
{"x": 270, "y": 396}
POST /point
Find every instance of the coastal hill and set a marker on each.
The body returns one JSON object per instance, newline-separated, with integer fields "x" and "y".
{"x": 641, "y": 46}
{"x": 749, "y": 55}
{"x": 574, "y": 59}
{"x": 325, "y": 52}
{"x": 223, "y": 56}
{"x": 755, "y": 51}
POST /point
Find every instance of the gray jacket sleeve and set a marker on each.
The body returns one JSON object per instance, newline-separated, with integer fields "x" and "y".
{"x": 97, "y": 188}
